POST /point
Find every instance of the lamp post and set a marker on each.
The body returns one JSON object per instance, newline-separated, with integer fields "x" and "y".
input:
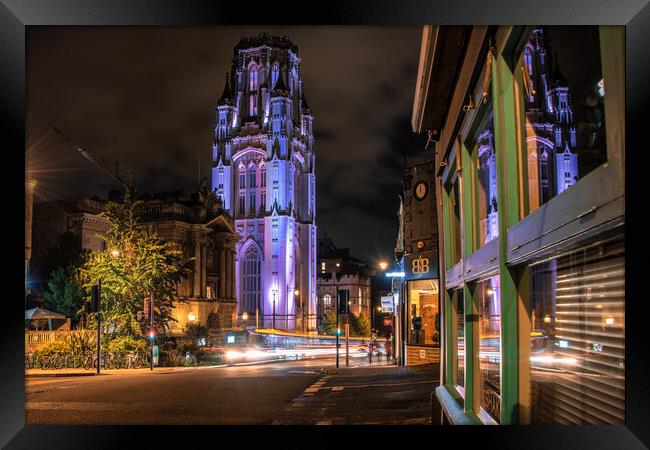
{"x": 275, "y": 291}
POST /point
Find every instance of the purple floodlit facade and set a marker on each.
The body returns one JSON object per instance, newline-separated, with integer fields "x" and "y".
{"x": 550, "y": 131}
{"x": 263, "y": 170}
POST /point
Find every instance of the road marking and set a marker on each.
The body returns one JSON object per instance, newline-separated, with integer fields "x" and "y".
{"x": 311, "y": 390}
{"x": 337, "y": 388}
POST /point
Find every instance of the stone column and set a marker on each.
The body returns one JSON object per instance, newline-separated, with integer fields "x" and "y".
{"x": 222, "y": 273}
{"x": 233, "y": 284}
{"x": 197, "y": 270}
{"x": 228, "y": 274}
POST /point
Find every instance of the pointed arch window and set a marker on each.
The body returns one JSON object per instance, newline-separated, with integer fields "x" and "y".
{"x": 275, "y": 72}
{"x": 251, "y": 274}
{"x": 252, "y": 78}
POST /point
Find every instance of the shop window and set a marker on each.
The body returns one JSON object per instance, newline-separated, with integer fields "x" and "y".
{"x": 424, "y": 317}
{"x": 486, "y": 185}
{"x": 459, "y": 308}
{"x": 563, "y": 96}
{"x": 577, "y": 363}
{"x": 489, "y": 310}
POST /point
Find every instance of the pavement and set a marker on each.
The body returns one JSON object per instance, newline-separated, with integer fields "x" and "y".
{"x": 380, "y": 395}
{"x": 288, "y": 392}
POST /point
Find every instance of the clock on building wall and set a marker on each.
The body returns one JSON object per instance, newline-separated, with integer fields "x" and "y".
{"x": 420, "y": 190}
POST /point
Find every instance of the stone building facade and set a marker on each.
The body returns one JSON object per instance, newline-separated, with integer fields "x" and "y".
{"x": 263, "y": 170}
{"x": 200, "y": 230}
{"x": 338, "y": 271}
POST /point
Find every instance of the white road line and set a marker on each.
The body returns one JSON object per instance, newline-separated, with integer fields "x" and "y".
{"x": 337, "y": 388}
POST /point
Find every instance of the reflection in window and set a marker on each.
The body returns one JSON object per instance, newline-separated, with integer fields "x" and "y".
{"x": 455, "y": 198}
{"x": 578, "y": 337}
{"x": 459, "y": 302}
{"x": 487, "y": 183}
{"x": 489, "y": 310}
{"x": 564, "y": 116}
{"x": 424, "y": 317}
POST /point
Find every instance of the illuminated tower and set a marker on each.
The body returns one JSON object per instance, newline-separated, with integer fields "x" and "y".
{"x": 551, "y": 134}
{"x": 263, "y": 169}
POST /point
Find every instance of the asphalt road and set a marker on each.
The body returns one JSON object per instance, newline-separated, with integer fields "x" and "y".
{"x": 296, "y": 392}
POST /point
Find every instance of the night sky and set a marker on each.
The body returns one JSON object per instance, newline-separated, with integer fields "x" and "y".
{"x": 146, "y": 97}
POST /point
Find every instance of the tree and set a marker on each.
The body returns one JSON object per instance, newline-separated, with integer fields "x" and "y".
{"x": 135, "y": 263}
{"x": 359, "y": 325}
{"x": 64, "y": 294}
{"x": 328, "y": 325}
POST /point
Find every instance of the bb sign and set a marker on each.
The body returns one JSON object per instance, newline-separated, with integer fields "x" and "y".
{"x": 421, "y": 265}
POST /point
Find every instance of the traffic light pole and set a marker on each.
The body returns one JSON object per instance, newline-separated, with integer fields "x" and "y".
{"x": 337, "y": 326}
{"x": 347, "y": 342}
{"x": 99, "y": 327}
{"x": 153, "y": 334}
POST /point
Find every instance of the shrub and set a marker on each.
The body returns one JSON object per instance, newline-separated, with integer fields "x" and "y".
{"x": 209, "y": 358}
{"x": 53, "y": 348}
{"x": 79, "y": 343}
{"x": 125, "y": 344}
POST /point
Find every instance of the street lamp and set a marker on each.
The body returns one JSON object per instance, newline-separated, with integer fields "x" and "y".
{"x": 191, "y": 317}
{"x": 383, "y": 265}
{"x": 275, "y": 291}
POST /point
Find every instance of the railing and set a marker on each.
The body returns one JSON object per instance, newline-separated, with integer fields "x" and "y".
{"x": 45, "y": 337}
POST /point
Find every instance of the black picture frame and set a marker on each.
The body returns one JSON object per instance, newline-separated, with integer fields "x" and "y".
{"x": 16, "y": 15}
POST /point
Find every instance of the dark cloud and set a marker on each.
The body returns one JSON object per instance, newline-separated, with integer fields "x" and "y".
{"x": 146, "y": 97}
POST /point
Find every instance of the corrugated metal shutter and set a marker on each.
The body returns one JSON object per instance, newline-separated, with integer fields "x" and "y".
{"x": 585, "y": 383}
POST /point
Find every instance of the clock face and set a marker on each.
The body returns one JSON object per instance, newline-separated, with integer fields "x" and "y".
{"x": 420, "y": 190}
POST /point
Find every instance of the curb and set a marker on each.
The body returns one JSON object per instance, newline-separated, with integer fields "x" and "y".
{"x": 71, "y": 374}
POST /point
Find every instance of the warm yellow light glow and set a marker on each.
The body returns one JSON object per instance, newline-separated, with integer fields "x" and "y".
{"x": 383, "y": 265}
{"x": 609, "y": 321}
{"x": 490, "y": 291}
{"x": 547, "y": 319}
{"x": 599, "y": 306}
{"x": 244, "y": 316}
{"x": 191, "y": 317}
{"x": 338, "y": 265}
{"x": 378, "y": 308}
{"x": 115, "y": 252}
{"x": 296, "y": 292}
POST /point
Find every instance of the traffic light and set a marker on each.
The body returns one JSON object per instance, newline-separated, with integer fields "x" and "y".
{"x": 343, "y": 305}
{"x": 152, "y": 334}
{"x": 93, "y": 305}
{"x": 95, "y": 301}
{"x": 338, "y": 331}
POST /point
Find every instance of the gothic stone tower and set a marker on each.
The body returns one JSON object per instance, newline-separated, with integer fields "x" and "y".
{"x": 551, "y": 134}
{"x": 263, "y": 170}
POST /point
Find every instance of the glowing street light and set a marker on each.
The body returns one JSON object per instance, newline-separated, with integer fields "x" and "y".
{"x": 296, "y": 292}
{"x": 191, "y": 317}
{"x": 383, "y": 265}
{"x": 244, "y": 316}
